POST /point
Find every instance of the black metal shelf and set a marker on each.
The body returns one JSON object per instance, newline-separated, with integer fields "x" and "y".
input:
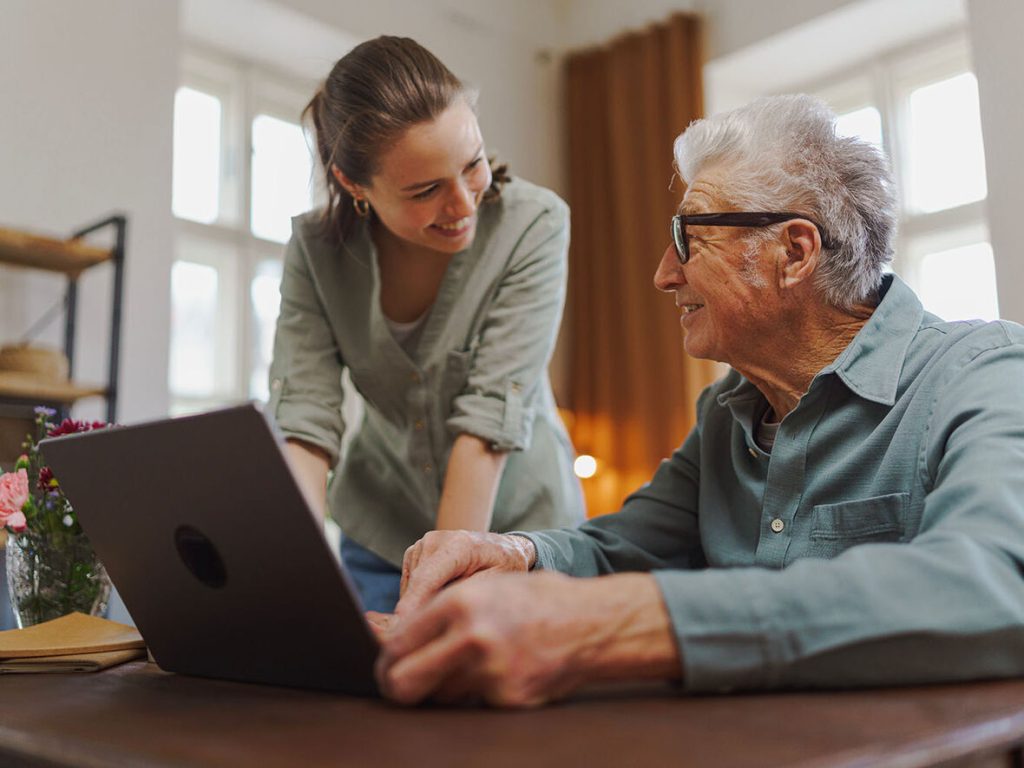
{"x": 71, "y": 257}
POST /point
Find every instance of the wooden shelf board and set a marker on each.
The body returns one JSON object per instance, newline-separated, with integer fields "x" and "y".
{"x": 26, "y": 387}
{"x": 67, "y": 256}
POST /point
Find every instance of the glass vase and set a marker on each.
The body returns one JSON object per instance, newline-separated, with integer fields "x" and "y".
{"x": 51, "y": 575}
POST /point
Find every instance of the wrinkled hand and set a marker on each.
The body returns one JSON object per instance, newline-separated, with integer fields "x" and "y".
{"x": 525, "y": 639}
{"x": 442, "y": 557}
{"x": 380, "y": 623}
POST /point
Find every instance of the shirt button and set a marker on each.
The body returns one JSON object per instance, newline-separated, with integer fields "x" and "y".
{"x": 418, "y": 426}
{"x": 777, "y": 525}
{"x": 427, "y": 469}
{"x": 414, "y": 378}
{"x": 275, "y": 384}
{"x": 751, "y": 451}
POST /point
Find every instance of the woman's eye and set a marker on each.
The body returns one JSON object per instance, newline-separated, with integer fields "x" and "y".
{"x": 475, "y": 163}
{"x": 425, "y": 193}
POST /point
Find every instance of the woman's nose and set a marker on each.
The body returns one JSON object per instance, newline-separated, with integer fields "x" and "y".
{"x": 669, "y": 274}
{"x": 462, "y": 201}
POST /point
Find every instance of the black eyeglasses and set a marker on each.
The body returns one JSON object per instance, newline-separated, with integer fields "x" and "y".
{"x": 737, "y": 219}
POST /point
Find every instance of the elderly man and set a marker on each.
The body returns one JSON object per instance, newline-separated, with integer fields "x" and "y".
{"x": 849, "y": 509}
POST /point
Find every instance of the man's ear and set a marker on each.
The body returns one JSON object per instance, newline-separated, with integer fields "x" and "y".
{"x": 802, "y": 250}
{"x": 346, "y": 183}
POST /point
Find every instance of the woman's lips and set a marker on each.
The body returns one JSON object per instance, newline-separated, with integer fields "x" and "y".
{"x": 455, "y": 228}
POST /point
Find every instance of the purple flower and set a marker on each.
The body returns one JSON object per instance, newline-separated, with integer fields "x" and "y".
{"x": 42, "y": 410}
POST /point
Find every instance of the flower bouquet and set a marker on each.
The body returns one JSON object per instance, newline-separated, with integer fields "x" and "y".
{"x": 51, "y": 567}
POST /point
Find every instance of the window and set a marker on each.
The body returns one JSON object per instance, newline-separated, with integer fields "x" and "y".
{"x": 242, "y": 169}
{"x": 921, "y": 106}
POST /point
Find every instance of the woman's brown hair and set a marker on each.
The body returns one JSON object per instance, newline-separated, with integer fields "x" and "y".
{"x": 372, "y": 96}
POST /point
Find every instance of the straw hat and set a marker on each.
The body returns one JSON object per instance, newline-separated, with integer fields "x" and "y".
{"x": 41, "y": 364}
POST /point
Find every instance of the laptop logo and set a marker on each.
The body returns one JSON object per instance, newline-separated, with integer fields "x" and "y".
{"x": 200, "y": 556}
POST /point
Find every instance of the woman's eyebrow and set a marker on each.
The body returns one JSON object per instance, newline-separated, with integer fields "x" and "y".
{"x": 420, "y": 184}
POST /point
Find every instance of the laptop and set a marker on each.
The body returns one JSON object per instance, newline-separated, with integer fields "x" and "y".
{"x": 215, "y": 551}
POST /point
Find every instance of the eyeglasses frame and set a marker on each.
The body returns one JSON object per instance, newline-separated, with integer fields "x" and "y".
{"x": 734, "y": 219}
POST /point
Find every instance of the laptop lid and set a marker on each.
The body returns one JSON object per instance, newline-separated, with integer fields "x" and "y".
{"x": 215, "y": 552}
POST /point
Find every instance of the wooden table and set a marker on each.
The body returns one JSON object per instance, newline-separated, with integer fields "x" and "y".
{"x": 137, "y": 715}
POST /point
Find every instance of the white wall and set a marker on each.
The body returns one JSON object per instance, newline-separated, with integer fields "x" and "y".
{"x": 996, "y": 28}
{"x": 86, "y": 98}
{"x": 501, "y": 47}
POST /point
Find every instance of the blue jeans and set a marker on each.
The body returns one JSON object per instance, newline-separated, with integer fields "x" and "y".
{"x": 376, "y": 579}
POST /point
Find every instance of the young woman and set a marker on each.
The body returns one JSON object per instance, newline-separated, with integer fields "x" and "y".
{"x": 438, "y": 283}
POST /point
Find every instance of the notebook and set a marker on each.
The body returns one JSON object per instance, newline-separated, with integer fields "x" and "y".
{"x": 71, "y": 643}
{"x": 215, "y": 551}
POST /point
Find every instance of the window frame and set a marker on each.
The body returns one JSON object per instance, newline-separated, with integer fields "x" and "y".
{"x": 246, "y": 90}
{"x": 886, "y": 82}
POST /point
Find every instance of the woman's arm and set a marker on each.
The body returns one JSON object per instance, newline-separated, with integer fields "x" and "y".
{"x": 310, "y": 466}
{"x": 470, "y": 485}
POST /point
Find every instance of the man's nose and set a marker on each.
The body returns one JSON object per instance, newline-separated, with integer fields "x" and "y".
{"x": 669, "y": 274}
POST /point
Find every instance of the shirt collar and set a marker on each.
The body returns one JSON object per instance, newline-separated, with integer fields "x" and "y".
{"x": 872, "y": 363}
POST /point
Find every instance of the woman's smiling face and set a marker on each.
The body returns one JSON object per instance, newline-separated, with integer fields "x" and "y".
{"x": 429, "y": 184}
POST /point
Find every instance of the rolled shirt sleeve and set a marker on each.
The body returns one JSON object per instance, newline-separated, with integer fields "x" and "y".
{"x": 305, "y": 375}
{"x": 517, "y": 337}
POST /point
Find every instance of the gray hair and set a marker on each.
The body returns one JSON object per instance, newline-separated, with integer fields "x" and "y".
{"x": 781, "y": 153}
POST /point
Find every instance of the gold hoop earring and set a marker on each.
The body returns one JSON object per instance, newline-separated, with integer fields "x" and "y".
{"x": 362, "y": 206}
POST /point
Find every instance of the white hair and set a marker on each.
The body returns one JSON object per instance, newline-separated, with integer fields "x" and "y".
{"x": 781, "y": 153}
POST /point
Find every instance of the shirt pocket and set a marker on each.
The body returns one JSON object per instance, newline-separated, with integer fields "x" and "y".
{"x": 837, "y": 527}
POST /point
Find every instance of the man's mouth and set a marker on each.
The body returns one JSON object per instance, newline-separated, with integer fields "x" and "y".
{"x": 690, "y": 308}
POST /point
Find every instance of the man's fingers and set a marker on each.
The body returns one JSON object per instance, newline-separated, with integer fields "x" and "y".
{"x": 409, "y": 562}
{"x": 430, "y": 573}
{"x": 411, "y": 678}
{"x": 380, "y": 623}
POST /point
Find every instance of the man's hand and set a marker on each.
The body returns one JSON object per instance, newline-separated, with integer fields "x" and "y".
{"x": 380, "y": 623}
{"x": 442, "y": 557}
{"x": 525, "y": 639}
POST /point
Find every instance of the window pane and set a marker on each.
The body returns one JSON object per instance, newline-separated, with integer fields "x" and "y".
{"x": 193, "y": 328}
{"x": 196, "y": 181}
{"x": 281, "y": 174}
{"x": 863, "y": 123}
{"x": 960, "y": 284}
{"x": 265, "y": 293}
{"x": 946, "y": 155}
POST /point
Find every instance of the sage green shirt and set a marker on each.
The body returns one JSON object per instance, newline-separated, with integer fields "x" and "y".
{"x": 880, "y": 542}
{"x": 479, "y": 367}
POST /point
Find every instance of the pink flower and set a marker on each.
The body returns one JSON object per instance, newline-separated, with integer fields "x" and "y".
{"x": 71, "y": 427}
{"x": 17, "y": 522}
{"x": 13, "y": 495}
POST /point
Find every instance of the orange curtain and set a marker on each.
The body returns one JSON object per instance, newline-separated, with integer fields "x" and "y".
{"x": 631, "y": 388}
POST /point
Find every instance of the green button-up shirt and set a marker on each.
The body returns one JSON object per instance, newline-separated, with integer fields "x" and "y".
{"x": 479, "y": 367}
{"x": 881, "y": 541}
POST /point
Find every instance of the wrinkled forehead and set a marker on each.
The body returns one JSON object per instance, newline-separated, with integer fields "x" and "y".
{"x": 706, "y": 194}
